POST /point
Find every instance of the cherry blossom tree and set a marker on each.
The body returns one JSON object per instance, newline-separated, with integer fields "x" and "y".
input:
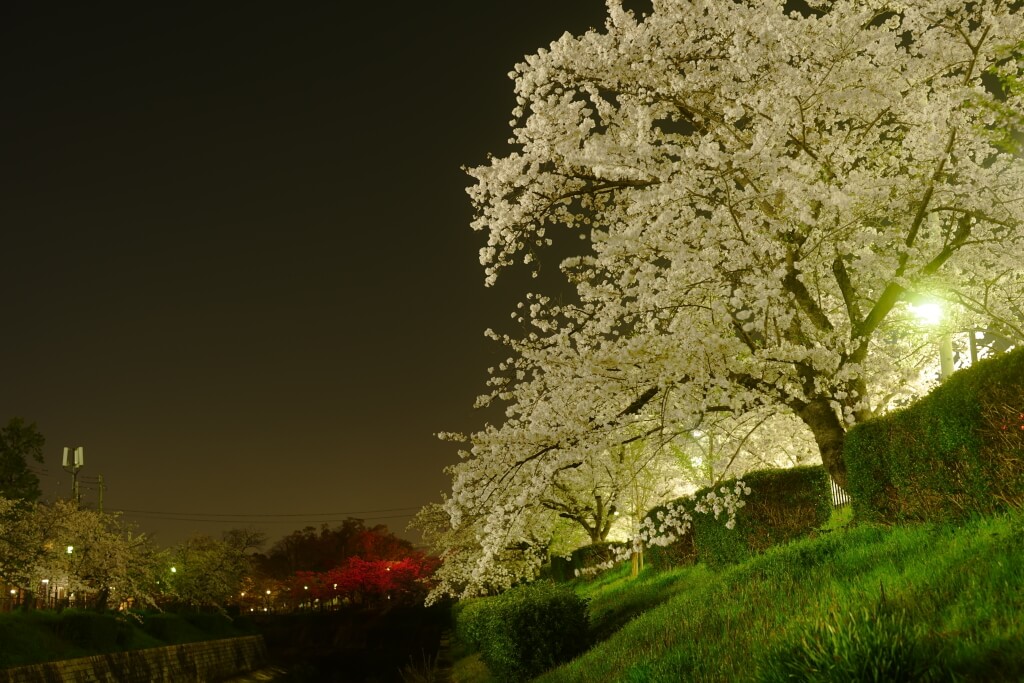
{"x": 760, "y": 196}
{"x": 83, "y": 551}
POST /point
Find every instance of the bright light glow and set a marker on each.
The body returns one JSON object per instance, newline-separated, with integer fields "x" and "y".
{"x": 174, "y": 570}
{"x": 929, "y": 313}
{"x": 46, "y": 581}
{"x": 268, "y": 591}
{"x": 14, "y": 592}
{"x": 71, "y": 549}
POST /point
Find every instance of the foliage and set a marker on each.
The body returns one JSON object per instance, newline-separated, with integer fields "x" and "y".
{"x": 526, "y": 630}
{"x": 951, "y": 591}
{"x": 783, "y": 505}
{"x": 20, "y": 443}
{"x": 108, "y": 559}
{"x": 760, "y": 195}
{"x": 205, "y": 571}
{"x": 40, "y": 636}
{"x": 318, "y": 550}
{"x": 98, "y": 632}
{"x": 959, "y": 451}
{"x": 400, "y": 580}
{"x": 873, "y": 644}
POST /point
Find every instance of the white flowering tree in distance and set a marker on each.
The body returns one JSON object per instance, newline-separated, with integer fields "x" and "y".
{"x": 760, "y": 196}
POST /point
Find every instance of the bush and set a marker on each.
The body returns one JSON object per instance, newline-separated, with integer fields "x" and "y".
{"x": 170, "y": 628}
{"x": 469, "y": 617}
{"x": 525, "y": 630}
{"x": 957, "y": 452}
{"x": 93, "y": 630}
{"x": 212, "y": 625}
{"x": 680, "y": 552}
{"x": 876, "y": 644}
{"x": 783, "y": 505}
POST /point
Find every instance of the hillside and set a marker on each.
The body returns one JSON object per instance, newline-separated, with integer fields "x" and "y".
{"x": 864, "y": 602}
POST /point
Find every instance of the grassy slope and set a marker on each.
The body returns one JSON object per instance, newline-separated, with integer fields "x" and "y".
{"x": 952, "y": 597}
{"x": 44, "y": 635}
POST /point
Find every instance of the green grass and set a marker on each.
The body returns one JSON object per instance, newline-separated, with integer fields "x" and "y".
{"x": 939, "y": 602}
{"x": 858, "y": 602}
{"x": 43, "y": 635}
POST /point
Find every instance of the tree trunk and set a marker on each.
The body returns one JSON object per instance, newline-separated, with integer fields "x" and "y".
{"x": 829, "y": 434}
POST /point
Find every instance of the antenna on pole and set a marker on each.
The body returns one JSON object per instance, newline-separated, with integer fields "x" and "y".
{"x": 72, "y": 462}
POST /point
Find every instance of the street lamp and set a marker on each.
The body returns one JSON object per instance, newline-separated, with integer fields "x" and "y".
{"x": 931, "y": 314}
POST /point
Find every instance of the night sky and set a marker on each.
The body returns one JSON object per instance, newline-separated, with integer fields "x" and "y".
{"x": 236, "y": 263}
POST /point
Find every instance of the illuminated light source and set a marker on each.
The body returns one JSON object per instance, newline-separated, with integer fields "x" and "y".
{"x": 268, "y": 591}
{"x": 14, "y": 591}
{"x": 71, "y": 549}
{"x": 174, "y": 570}
{"x": 929, "y": 313}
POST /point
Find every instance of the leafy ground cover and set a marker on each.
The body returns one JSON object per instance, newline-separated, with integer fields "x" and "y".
{"x": 866, "y": 602}
{"x": 42, "y": 636}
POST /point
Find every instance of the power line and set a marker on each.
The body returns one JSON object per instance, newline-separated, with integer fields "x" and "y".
{"x": 263, "y": 521}
{"x": 307, "y": 515}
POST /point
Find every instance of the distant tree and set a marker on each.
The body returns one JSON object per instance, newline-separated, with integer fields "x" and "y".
{"x": 318, "y": 550}
{"x": 108, "y": 559}
{"x": 207, "y": 571}
{"x": 20, "y": 443}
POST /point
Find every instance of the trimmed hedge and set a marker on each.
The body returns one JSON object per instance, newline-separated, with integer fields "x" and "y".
{"x": 783, "y": 505}
{"x": 526, "y": 630}
{"x": 955, "y": 453}
{"x": 680, "y": 552}
{"x": 96, "y": 631}
{"x": 562, "y": 569}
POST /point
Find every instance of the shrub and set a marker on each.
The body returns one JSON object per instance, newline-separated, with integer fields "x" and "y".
{"x": 170, "y": 628}
{"x": 875, "y": 644}
{"x": 957, "y": 452}
{"x": 525, "y": 630}
{"x": 469, "y": 617}
{"x": 212, "y": 625}
{"x": 783, "y": 505}
{"x": 92, "y": 630}
{"x": 678, "y": 553}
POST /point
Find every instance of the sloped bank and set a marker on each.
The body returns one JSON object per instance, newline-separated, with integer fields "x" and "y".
{"x": 210, "y": 660}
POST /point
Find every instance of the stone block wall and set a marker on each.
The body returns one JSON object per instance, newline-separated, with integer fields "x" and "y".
{"x": 211, "y": 660}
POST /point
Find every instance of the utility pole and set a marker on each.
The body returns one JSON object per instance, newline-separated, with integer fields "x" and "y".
{"x": 72, "y": 465}
{"x": 99, "y": 478}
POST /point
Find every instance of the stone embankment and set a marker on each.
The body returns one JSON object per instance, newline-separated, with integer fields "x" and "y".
{"x": 211, "y": 660}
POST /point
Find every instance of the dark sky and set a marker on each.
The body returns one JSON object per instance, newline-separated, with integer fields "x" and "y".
{"x": 236, "y": 264}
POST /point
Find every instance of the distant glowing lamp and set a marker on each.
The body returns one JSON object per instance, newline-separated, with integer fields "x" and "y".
{"x": 174, "y": 570}
{"x": 71, "y": 549}
{"x": 927, "y": 313}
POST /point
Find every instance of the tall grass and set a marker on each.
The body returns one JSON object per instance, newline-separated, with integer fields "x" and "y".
{"x": 923, "y": 602}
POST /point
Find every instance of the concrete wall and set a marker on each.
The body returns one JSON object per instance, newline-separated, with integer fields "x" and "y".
{"x": 211, "y": 660}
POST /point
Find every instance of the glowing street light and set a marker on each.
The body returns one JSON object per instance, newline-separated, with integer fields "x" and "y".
{"x": 931, "y": 313}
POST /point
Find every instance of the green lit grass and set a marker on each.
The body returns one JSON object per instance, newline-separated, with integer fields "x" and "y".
{"x": 946, "y": 599}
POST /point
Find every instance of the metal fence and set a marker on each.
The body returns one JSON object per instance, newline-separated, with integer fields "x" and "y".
{"x": 840, "y": 498}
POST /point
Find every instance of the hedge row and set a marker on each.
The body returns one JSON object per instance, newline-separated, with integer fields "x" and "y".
{"x": 526, "y": 630}
{"x": 563, "y": 569}
{"x": 783, "y": 504}
{"x": 955, "y": 453}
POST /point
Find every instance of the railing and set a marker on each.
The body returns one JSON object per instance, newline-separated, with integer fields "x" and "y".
{"x": 840, "y": 498}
